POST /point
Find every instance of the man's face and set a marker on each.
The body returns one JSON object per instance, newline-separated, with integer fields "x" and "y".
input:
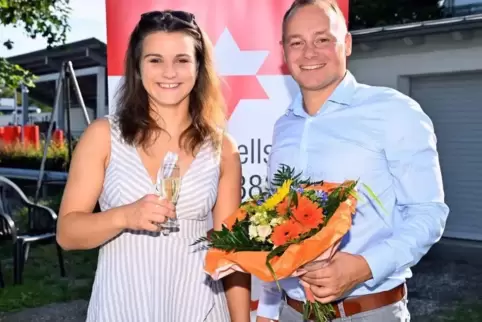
{"x": 316, "y": 44}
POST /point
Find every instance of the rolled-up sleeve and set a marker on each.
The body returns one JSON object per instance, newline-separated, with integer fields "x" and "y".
{"x": 270, "y": 300}
{"x": 413, "y": 162}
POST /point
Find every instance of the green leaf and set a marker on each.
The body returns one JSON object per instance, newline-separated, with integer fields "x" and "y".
{"x": 45, "y": 18}
{"x": 236, "y": 240}
{"x": 375, "y": 197}
{"x": 284, "y": 173}
{"x": 322, "y": 312}
{"x": 8, "y": 44}
{"x": 278, "y": 251}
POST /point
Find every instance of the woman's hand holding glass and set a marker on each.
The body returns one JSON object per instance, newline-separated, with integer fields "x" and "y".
{"x": 148, "y": 213}
{"x": 168, "y": 187}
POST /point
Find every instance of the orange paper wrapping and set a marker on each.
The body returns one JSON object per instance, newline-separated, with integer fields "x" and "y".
{"x": 319, "y": 247}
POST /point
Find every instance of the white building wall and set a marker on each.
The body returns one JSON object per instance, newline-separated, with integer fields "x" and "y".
{"x": 393, "y": 61}
{"x": 452, "y": 99}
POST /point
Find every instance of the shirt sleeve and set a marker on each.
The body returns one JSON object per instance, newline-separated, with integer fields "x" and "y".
{"x": 413, "y": 162}
{"x": 270, "y": 300}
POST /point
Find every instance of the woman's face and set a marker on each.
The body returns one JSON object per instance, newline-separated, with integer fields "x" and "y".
{"x": 168, "y": 67}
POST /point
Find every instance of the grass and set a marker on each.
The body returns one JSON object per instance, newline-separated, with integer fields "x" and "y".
{"x": 42, "y": 283}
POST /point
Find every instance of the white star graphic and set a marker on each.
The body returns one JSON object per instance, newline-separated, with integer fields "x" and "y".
{"x": 231, "y": 61}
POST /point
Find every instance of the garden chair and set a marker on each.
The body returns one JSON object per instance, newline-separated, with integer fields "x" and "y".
{"x": 38, "y": 225}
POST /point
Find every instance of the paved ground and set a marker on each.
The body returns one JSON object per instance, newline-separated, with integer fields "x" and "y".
{"x": 63, "y": 312}
{"x": 436, "y": 287}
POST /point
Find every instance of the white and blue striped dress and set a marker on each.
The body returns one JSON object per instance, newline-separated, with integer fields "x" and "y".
{"x": 148, "y": 277}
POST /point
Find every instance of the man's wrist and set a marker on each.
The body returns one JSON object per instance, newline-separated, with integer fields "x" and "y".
{"x": 364, "y": 272}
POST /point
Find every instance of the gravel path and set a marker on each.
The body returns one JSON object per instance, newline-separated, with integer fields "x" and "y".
{"x": 435, "y": 287}
{"x": 58, "y": 312}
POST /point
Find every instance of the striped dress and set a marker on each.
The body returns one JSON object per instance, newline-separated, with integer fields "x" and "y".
{"x": 149, "y": 277}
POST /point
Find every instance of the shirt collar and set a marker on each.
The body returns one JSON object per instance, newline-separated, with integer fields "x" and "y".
{"x": 345, "y": 91}
{"x": 343, "y": 95}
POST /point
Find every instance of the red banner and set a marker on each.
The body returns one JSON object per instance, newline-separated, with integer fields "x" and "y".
{"x": 255, "y": 24}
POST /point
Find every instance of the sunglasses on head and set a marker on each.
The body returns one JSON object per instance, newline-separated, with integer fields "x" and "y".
{"x": 181, "y": 15}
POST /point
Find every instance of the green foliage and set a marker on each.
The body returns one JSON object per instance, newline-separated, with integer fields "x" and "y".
{"x": 285, "y": 172}
{"x": 17, "y": 156}
{"x": 40, "y": 18}
{"x": 322, "y": 312}
{"x": 11, "y": 76}
{"x": 236, "y": 240}
{"x": 377, "y": 13}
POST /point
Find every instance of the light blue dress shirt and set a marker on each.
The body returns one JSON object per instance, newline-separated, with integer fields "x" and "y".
{"x": 384, "y": 139}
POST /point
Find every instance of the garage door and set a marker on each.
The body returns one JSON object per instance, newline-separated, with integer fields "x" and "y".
{"x": 454, "y": 103}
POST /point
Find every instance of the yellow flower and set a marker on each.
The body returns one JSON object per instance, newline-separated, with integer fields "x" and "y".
{"x": 275, "y": 199}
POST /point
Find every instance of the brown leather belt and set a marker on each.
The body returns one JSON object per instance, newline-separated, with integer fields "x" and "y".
{"x": 359, "y": 304}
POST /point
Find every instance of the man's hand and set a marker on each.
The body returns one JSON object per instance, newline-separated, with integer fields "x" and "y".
{"x": 330, "y": 280}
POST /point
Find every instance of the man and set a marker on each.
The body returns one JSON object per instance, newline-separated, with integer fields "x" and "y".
{"x": 338, "y": 129}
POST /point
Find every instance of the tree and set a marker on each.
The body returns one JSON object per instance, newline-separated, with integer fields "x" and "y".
{"x": 378, "y": 13}
{"x": 39, "y": 18}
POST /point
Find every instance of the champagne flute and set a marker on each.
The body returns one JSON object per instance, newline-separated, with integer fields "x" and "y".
{"x": 168, "y": 187}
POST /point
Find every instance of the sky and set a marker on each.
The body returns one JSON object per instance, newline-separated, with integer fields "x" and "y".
{"x": 87, "y": 20}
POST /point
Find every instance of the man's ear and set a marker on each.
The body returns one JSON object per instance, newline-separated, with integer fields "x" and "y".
{"x": 348, "y": 44}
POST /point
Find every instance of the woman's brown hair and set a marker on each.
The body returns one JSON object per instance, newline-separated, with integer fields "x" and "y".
{"x": 206, "y": 103}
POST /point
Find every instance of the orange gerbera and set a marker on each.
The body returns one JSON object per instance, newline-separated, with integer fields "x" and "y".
{"x": 308, "y": 214}
{"x": 285, "y": 232}
{"x": 282, "y": 207}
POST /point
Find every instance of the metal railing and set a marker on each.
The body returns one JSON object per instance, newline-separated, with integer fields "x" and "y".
{"x": 52, "y": 177}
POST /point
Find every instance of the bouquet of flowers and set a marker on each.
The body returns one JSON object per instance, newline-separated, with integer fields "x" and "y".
{"x": 275, "y": 233}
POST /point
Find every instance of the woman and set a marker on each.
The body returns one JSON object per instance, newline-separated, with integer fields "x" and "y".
{"x": 170, "y": 101}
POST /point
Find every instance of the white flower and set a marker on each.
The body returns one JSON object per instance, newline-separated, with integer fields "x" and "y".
{"x": 253, "y": 231}
{"x": 255, "y": 219}
{"x": 260, "y": 218}
{"x": 276, "y": 221}
{"x": 264, "y": 231}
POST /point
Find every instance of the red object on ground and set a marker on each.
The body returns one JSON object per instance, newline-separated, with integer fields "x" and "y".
{"x": 31, "y": 136}
{"x": 58, "y": 137}
{"x": 12, "y": 134}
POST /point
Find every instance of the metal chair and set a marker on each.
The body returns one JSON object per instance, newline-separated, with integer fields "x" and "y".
{"x": 39, "y": 225}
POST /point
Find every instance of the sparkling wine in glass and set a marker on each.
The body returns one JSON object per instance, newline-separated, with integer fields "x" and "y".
{"x": 168, "y": 187}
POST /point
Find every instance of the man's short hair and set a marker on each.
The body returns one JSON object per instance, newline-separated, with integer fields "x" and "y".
{"x": 297, "y": 4}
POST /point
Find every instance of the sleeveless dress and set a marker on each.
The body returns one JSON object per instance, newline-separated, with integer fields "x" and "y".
{"x": 148, "y": 277}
